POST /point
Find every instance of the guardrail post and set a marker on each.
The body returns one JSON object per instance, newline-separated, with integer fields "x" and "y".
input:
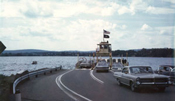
{"x": 28, "y": 76}
{"x": 16, "y": 96}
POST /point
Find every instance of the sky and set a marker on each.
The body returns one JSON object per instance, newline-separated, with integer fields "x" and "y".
{"x": 60, "y": 25}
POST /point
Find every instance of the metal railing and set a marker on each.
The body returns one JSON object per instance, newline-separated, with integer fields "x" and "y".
{"x": 36, "y": 73}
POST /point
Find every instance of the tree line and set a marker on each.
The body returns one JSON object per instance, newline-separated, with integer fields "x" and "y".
{"x": 157, "y": 52}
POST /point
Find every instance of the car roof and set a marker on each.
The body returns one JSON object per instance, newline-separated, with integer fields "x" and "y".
{"x": 166, "y": 66}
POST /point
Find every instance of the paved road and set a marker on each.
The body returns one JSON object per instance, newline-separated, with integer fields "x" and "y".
{"x": 43, "y": 88}
{"x": 87, "y": 85}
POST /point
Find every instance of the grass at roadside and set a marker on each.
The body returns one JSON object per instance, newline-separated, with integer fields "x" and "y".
{"x": 5, "y": 83}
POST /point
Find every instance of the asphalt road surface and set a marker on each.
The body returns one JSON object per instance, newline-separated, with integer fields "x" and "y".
{"x": 86, "y": 85}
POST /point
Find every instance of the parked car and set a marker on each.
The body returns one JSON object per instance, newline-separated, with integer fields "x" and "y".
{"x": 85, "y": 64}
{"x": 102, "y": 65}
{"x": 141, "y": 76}
{"x": 167, "y": 70}
{"x": 173, "y": 70}
{"x": 117, "y": 67}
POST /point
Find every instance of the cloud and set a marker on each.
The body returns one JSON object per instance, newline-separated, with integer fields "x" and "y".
{"x": 156, "y": 38}
{"x": 158, "y": 10}
{"x": 133, "y": 7}
{"x": 10, "y": 9}
{"x": 146, "y": 27}
{"x": 65, "y": 35}
{"x": 34, "y": 9}
{"x": 67, "y": 25}
{"x": 123, "y": 27}
{"x": 165, "y": 31}
{"x": 44, "y": 8}
{"x": 142, "y": 6}
{"x": 173, "y": 6}
{"x": 31, "y": 13}
{"x": 137, "y": 5}
{"x": 170, "y": 1}
{"x": 66, "y": 9}
{"x": 110, "y": 10}
{"x": 123, "y": 10}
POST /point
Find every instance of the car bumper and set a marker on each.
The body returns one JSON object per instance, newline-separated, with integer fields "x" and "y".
{"x": 102, "y": 69}
{"x": 85, "y": 66}
{"x": 153, "y": 85}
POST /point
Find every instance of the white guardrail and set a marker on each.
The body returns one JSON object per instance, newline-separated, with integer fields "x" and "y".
{"x": 36, "y": 73}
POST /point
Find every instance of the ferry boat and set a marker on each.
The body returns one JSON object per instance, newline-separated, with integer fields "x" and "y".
{"x": 99, "y": 61}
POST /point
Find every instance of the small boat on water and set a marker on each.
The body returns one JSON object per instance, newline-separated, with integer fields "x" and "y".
{"x": 34, "y": 62}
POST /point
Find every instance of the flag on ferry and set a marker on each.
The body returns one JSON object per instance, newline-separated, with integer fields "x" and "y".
{"x": 106, "y": 36}
{"x": 106, "y": 32}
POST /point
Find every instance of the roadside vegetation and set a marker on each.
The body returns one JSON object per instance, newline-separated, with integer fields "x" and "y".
{"x": 5, "y": 86}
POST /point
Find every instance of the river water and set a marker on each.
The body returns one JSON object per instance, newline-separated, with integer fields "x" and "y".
{"x": 13, "y": 65}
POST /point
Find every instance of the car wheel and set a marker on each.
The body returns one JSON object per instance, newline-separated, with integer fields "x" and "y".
{"x": 133, "y": 88}
{"x": 162, "y": 89}
{"x": 118, "y": 82}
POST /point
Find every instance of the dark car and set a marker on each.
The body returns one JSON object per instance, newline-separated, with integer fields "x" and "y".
{"x": 167, "y": 70}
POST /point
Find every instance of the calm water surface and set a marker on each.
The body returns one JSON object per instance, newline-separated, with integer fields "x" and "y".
{"x": 13, "y": 65}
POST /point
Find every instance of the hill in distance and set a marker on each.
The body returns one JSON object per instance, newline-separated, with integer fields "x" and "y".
{"x": 155, "y": 52}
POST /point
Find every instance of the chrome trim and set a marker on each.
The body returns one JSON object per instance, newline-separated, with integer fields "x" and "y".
{"x": 148, "y": 83}
{"x": 154, "y": 83}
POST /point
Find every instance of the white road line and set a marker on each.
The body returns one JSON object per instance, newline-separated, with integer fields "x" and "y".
{"x": 98, "y": 80}
{"x": 64, "y": 88}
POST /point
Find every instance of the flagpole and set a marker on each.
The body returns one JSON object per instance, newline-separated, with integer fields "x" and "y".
{"x": 103, "y": 36}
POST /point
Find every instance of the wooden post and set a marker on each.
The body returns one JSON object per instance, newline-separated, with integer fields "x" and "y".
{"x": 77, "y": 58}
{"x": 110, "y": 61}
{"x": 93, "y": 62}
